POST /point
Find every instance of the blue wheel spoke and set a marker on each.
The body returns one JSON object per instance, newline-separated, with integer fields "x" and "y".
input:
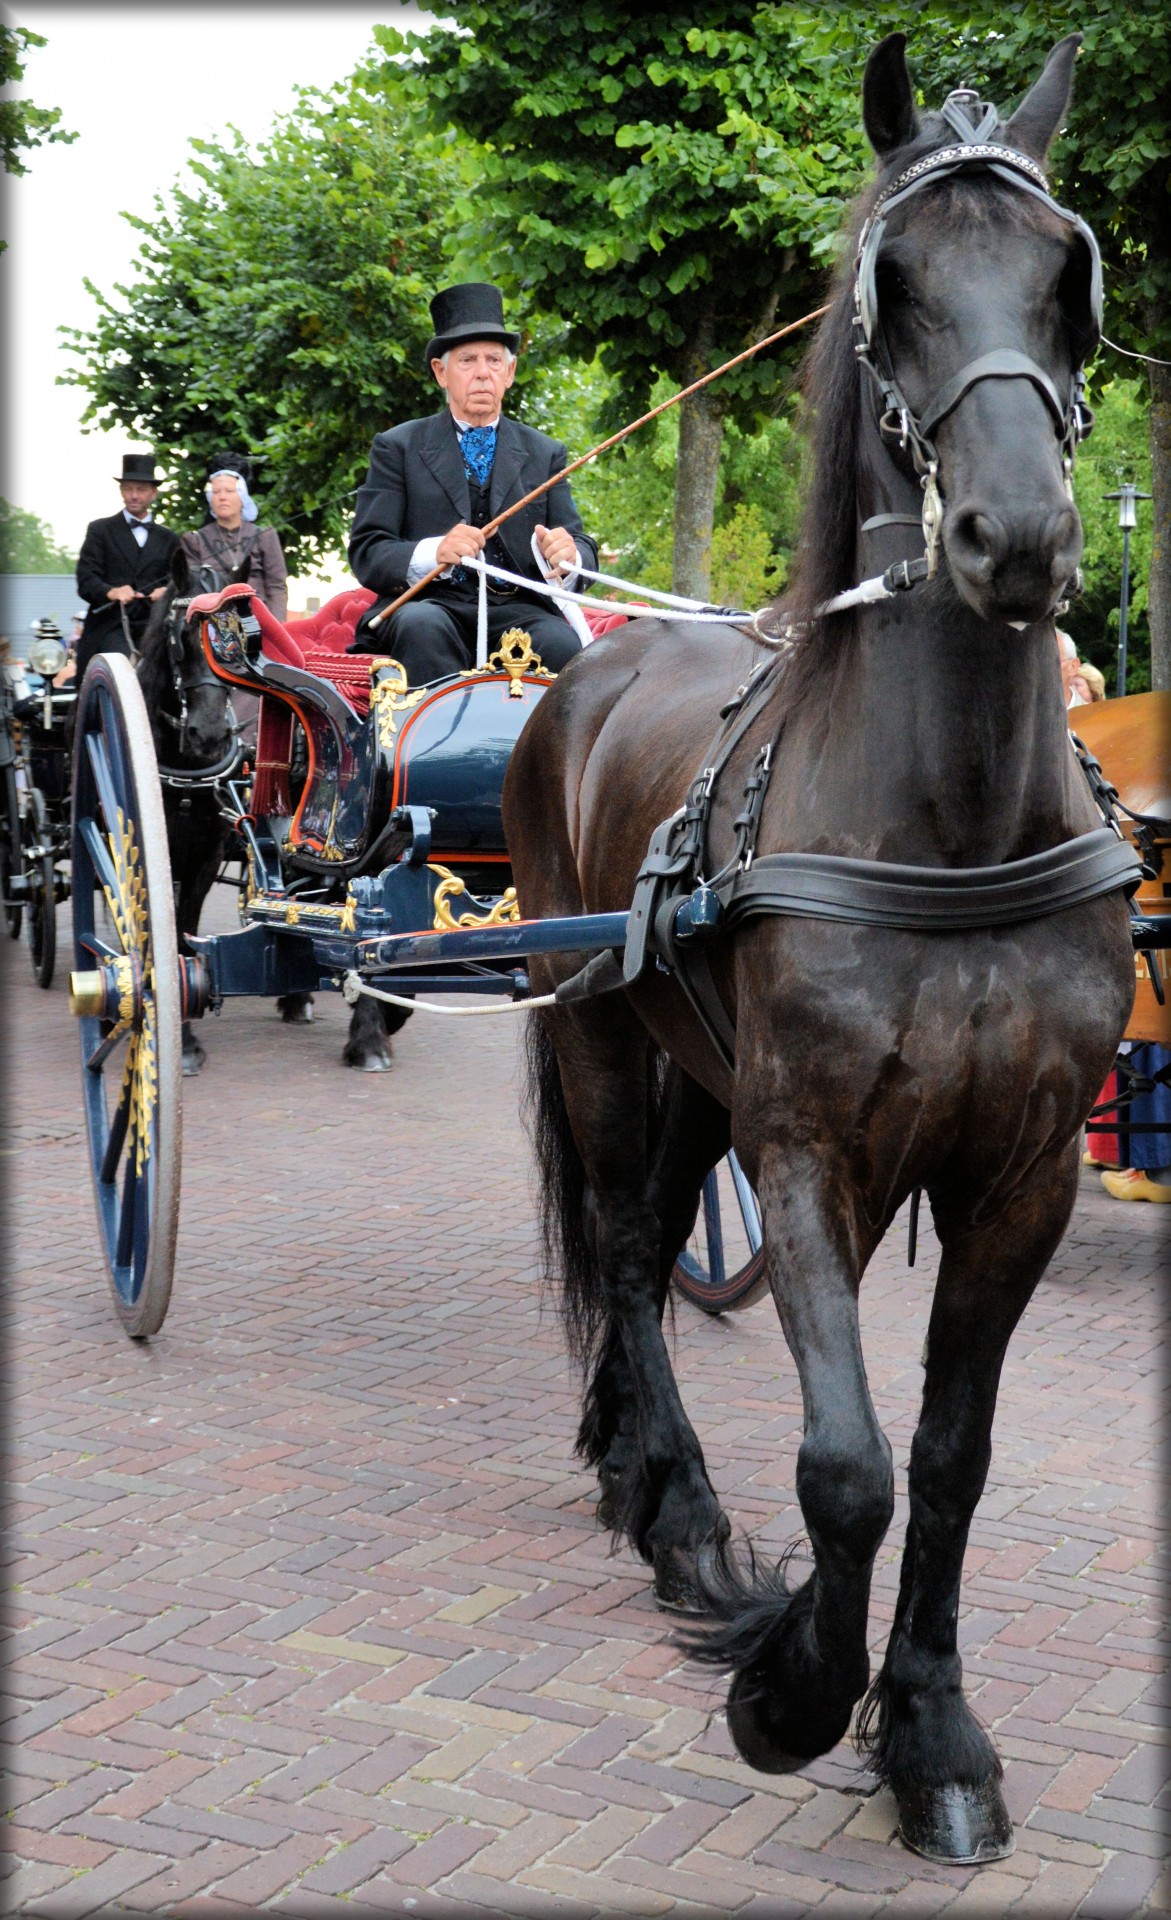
{"x": 711, "y": 1226}
{"x": 106, "y": 1047}
{"x": 90, "y": 943}
{"x": 124, "y": 1251}
{"x": 99, "y": 762}
{"x": 117, "y": 1134}
{"x": 749, "y": 1211}
{"x": 99, "y": 853}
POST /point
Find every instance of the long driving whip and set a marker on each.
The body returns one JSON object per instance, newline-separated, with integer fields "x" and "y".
{"x": 602, "y": 447}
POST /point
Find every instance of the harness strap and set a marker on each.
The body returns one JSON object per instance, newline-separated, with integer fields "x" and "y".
{"x": 879, "y": 893}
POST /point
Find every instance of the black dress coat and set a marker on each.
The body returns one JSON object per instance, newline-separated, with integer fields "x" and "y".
{"x": 416, "y": 487}
{"x": 111, "y": 557}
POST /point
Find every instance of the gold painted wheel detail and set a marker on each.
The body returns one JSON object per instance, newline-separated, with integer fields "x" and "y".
{"x": 125, "y": 991}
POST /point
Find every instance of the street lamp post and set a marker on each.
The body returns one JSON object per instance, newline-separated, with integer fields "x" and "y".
{"x": 1127, "y": 497}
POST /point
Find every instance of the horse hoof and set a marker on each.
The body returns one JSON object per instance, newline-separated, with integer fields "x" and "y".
{"x": 192, "y": 1064}
{"x": 748, "y": 1728}
{"x": 296, "y": 1013}
{"x": 956, "y": 1826}
{"x": 675, "y": 1590}
{"x": 372, "y": 1063}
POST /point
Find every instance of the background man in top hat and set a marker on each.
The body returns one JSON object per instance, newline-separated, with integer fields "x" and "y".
{"x": 124, "y": 564}
{"x": 433, "y": 484}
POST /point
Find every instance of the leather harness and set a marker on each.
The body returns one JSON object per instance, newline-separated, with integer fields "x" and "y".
{"x": 675, "y": 910}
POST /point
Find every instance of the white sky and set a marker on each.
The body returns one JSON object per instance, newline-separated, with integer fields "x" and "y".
{"x": 136, "y": 83}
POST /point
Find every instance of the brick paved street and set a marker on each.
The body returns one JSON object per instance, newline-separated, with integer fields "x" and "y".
{"x": 312, "y": 1614}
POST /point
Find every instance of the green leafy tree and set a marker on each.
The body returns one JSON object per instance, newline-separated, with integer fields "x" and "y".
{"x": 280, "y": 306}
{"x": 670, "y": 186}
{"x": 29, "y": 545}
{"x": 22, "y": 125}
{"x": 1119, "y": 449}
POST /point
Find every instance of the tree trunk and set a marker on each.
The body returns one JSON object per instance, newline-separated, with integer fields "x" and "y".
{"x": 1159, "y": 591}
{"x": 697, "y": 469}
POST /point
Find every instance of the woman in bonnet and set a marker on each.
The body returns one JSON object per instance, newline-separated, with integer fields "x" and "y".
{"x": 232, "y": 535}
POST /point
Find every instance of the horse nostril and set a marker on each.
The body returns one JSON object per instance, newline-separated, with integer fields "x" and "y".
{"x": 977, "y": 543}
{"x": 1064, "y": 539}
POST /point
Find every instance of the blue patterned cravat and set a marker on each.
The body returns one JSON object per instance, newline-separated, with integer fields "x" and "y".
{"x": 478, "y": 446}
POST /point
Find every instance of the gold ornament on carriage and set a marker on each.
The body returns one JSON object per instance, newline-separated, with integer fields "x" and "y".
{"x": 390, "y": 696}
{"x": 504, "y": 912}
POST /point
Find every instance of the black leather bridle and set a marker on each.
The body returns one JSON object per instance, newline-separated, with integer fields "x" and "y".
{"x": 898, "y": 420}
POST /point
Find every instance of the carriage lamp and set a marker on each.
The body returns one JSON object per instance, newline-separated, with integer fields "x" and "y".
{"x": 1127, "y": 497}
{"x": 46, "y": 656}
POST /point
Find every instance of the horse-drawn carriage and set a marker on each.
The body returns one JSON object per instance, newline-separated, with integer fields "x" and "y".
{"x": 874, "y": 931}
{"x": 35, "y": 760}
{"x": 379, "y": 863}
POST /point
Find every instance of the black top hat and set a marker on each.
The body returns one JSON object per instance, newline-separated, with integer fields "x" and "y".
{"x": 472, "y": 311}
{"x": 139, "y": 467}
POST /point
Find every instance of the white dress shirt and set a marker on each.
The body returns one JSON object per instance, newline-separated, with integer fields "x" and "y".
{"x": 137, "y": 527}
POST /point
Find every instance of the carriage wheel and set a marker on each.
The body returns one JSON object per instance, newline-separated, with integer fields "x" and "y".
{"x": 701, "y": 1272}
{"x": 126, "y": 991}
{"x": 42, "y": 900}
{"x": 10, "y": 855}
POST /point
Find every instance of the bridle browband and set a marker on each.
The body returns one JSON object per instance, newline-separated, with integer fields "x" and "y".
{"x": 1071, "y": 416}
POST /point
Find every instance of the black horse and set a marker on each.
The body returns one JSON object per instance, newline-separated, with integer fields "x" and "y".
{"x": 195, "y": 739}
{"x": 850, "y": 1063}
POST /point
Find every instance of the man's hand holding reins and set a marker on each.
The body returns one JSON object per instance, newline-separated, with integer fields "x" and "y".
{"x": 461, "y": 543}
{"x": 558, "y": 548}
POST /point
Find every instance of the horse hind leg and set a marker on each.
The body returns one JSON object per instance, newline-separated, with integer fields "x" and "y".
{"x": 798, "y": 1655}
{"x": 368, "y": 1045}
{"x": 588, "y": 1105}
{"x": 295, "y": 1009}
{"x": 923, "y": 1738}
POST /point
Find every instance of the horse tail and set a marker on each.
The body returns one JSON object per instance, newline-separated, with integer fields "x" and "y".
{"x": 569, "y": 1251}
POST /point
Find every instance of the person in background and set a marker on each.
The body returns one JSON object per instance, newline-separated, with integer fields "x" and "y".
{"x": 232, "y": 535}
{"x": 124, "y": 564}
{"x": 1089, "y": 682}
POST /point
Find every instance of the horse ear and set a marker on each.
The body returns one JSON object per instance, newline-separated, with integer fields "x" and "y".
{"x": 888, "y": 103}
{"x": 240, "y": 573}
{"x": 1043, "y": 108}
{"x": 180, "y": 573}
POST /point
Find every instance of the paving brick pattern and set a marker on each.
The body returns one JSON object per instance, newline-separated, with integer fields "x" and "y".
{"x": 311, "y": 1614}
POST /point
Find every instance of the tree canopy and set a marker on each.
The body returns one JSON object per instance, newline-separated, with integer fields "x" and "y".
{"x": 23, "y": 125}
{"x": 29, "y": 545}
{"x": 670, "y": 186}
{"x": 280, "y": 306}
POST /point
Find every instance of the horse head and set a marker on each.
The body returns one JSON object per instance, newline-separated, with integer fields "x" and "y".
{"x": 977, "y": 300}
{"x": 189, "y": 708}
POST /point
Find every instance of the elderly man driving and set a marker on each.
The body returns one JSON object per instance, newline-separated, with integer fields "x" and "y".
{"x": 434, "y": 484}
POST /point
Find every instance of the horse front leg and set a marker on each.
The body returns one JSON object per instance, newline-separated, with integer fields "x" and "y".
{"x": 924, "y": 1739}
{"x": 798, "y": 1655}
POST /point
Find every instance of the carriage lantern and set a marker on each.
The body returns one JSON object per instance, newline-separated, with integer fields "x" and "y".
{"x": 1127, "y": 497}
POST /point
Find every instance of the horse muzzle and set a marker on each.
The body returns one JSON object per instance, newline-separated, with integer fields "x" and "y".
{"x": 1013, "y": 569}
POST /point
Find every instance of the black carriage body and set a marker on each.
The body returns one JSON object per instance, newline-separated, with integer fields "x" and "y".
{"x": 393, "y": 852}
